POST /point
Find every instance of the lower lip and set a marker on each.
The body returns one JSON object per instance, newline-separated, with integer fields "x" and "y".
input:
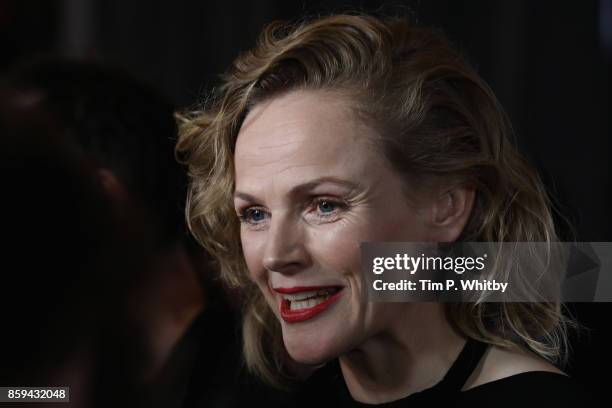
{"x": 296, "y": 316}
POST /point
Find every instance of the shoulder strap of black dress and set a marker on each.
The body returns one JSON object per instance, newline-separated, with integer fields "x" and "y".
{"x": 464, "y": 365}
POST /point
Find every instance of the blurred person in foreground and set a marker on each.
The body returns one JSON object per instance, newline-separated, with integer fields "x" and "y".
{"x": 105, "y": 285}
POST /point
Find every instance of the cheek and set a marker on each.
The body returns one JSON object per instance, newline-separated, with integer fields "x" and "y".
{"x": 397, "y": 226}
{"x": 252, "y": 247}
{"x": 335, "y": 246}
{"x": 337, "y": 250}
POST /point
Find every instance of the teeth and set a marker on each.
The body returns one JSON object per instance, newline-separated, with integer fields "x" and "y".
{"x": 307, "y": 304}
{"x": 294, "y": 297}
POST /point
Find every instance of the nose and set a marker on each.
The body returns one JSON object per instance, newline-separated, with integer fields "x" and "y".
{"x": 285, "y": 250}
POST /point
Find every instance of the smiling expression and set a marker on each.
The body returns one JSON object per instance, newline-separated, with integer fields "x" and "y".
{"x": 309, "y": 189}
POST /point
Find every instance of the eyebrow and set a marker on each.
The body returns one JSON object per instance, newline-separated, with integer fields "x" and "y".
{"x": 305, "y": 187}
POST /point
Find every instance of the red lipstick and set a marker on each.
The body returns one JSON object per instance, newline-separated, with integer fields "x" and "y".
{"x": 300, "y": 315}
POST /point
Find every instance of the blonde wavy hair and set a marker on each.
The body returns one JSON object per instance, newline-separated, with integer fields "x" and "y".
{"x": 437, "y": 120}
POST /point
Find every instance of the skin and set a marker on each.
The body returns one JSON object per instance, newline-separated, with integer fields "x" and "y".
{"x": 301, "y": 227}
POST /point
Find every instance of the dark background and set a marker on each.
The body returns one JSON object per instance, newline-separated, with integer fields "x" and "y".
{"x": 550, "y": 64}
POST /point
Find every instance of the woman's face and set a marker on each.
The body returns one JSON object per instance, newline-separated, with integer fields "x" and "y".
{"x": 309, "y": 189}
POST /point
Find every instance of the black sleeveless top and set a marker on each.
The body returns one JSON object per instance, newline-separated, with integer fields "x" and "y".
{"x": 530, "y": 389}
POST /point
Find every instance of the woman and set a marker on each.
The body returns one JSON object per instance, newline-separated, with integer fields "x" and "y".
{"x": 349, "y": 129}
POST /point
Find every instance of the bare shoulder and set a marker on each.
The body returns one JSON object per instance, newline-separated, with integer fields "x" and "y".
{"x": 498, "y": 363}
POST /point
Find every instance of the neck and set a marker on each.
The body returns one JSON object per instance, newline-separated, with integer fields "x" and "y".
{"x": 411, "y": 355}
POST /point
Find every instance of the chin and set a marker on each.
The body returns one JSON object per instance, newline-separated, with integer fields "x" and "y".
{"x": 315, "y": 347}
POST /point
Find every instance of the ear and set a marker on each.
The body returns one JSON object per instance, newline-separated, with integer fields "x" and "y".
{"x": 450, "y": 213}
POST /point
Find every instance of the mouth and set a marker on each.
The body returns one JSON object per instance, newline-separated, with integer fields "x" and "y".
{"x": 302, "y": 303}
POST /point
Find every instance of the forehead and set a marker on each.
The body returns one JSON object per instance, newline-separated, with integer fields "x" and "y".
{"x": 302, "y": 135}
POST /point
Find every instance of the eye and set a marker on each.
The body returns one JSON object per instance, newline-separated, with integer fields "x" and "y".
{"x": 326, "y": 206}
{"x": 252, "y": 215}
{"x": 256, "y": 215}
